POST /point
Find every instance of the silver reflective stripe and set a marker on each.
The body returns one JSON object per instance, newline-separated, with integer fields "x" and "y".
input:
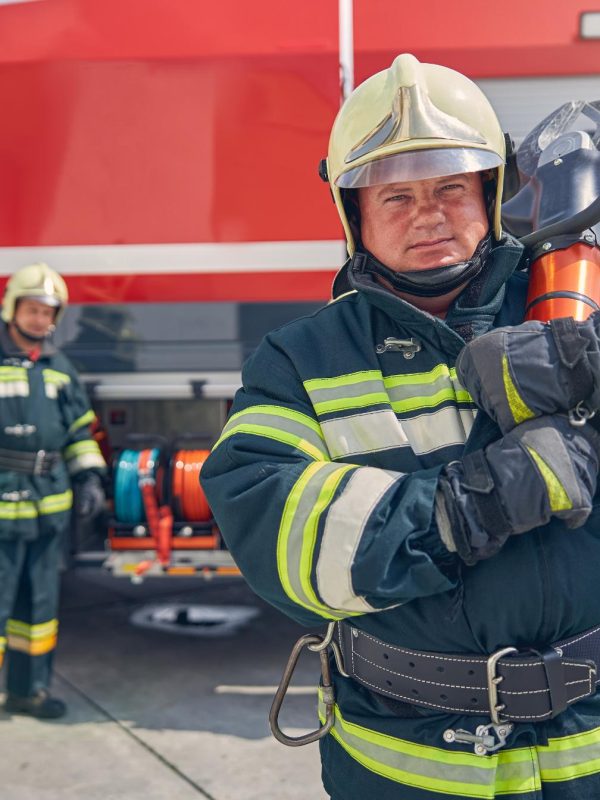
{"x": 405, "y": 393}
{"x": 309, "y": 498}
{"x": 435, "y": 769}
{"x": 283, "y": 419}
{"x": 422, "y": 390}
{"x": 347, "y": 390}
{"x": 444, "y": 428}
{"x": 373, "y": 431}
{"x": 85, "y": 461}
{"x": 346, "y": 521}
{"x": 54, "y": 381}
{"x": 14, "y": 382}
{"x": 363, "y": 433}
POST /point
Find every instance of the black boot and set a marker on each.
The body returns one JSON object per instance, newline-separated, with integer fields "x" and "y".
{"x": 40, "y": 705}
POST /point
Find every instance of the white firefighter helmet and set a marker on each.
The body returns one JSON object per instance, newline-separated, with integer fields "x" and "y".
{"x": 37, "y": 282}
{"x": 411, "y": 122}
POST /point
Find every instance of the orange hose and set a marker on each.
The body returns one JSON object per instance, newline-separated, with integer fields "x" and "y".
{"x": 188, "y": 495}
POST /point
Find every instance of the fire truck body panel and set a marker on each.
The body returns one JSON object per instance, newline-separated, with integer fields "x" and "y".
{"x": 163, "y": 156}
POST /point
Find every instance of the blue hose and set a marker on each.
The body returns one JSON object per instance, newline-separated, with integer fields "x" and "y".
{"x": 129, "y": 505}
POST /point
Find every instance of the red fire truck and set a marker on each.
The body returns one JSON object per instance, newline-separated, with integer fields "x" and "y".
{"x": 162, "y": 155}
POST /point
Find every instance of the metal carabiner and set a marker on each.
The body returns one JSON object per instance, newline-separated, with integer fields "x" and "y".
{"x": 579, "y": 415}
{"x": 319, "y": 644}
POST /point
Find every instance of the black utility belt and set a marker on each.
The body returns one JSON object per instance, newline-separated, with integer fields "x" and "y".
{"x": 31, "y": 463}
{"x": 524, "y": 685}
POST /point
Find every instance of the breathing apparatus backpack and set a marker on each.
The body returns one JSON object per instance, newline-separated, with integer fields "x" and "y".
{"x": 556, "y": 212}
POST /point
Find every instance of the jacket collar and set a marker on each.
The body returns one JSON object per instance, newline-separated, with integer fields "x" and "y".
{"x": 12, "y": 350}
{"x": 472, "y": 312}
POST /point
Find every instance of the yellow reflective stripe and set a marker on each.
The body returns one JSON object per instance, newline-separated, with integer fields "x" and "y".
{"x": 13, "y": 374}
{"x": 340, "y": 296}
{"x": 276, "y": 411}
{"x": 355, "y": 390}
{"x": 558, "y": 498}
{"x": 34, "y": 640}
{"x": 283, "y": 540}
{"x": 419, "y": 378}
{"x": 2, "y": 643}
{"x": 79, "y": 448}
{"x": 570, "y": 757}
{"x": 283, "y": 420}
{"x": 86, "y": 461}
{"x": 54, "y": 503}
{"x": 279, "y": 436}
{"x": 14, "y": 382}
{"x": 405, "y": 395}
{"x": 449, "y": 772}
{"x": 30, "y": 631}
{"x": 416, "y": 403}
{"x": 347, "y": 403}
{"x": 27, "y": 509}
{"x": 21, "y": 510}
{"x": 518, "y": 408}
{"x": 84, "y": 419}
{"x": 316, "y": 384}
{"x": 408, "y": 392}
{"x": 310, "y": 496}
{"x": 54, "y": 376}
{"x": 326, "y": 495}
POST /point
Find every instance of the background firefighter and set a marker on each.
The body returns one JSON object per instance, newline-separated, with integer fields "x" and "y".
{"x": 468, "y": 608}
{"x": 45, "y": 448}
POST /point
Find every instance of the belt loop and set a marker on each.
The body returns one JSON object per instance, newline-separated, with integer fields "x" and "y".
{"x": 553, "y": 667}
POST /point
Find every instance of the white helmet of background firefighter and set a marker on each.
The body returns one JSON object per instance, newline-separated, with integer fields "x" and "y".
{"x": 411, "y": 122}
{"x": 37, "y": 282}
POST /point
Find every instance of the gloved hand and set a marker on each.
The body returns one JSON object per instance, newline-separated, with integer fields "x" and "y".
{"x": 543, "y": 468}
{"x": 89, "y": 497}
{"x": 533, "y": 369}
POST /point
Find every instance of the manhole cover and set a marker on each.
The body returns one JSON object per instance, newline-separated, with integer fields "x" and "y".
{"x": 193, "y": 620}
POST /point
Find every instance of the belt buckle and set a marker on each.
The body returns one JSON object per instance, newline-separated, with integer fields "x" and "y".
{"x": 38, "y": 464}
{"x": 493, "y": 679}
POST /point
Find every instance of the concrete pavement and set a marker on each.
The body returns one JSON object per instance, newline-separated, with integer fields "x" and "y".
{"x": 154, "y": 715}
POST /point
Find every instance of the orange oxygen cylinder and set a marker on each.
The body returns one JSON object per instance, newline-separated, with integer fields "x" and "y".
{"x": 565, "y": 283}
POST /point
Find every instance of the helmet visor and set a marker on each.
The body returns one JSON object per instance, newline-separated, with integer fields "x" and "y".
{"x": 46, "y": 299}
{"x": 417, "y": 165}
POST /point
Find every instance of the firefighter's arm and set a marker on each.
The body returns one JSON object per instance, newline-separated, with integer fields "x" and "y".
{"x": 80, "y": 451}
{"x": 317, "y": 538}
{"x": 529, "y": 370}
{"x": 84, "y": 461}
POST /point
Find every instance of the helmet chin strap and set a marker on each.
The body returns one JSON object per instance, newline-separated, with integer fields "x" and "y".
{"x": 426, "y": 282}
{"x": 30, "y": 337}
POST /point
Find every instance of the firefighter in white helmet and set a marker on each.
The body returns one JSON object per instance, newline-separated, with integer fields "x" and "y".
{"x": 466, "y": 612}
{"x": 46, "y": 454}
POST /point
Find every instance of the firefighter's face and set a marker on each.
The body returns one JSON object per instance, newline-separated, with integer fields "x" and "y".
{"x": 33, "y": 317}
{"x": 423, "y": 224}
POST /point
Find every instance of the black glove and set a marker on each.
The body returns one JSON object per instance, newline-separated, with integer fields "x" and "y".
{"x": 89, "y": 497}
{"x": 543, "y": 468}
{"x": 533, "y": 369}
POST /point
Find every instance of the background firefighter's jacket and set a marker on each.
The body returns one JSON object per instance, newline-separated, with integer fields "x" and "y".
{"x": 43, "y": 406}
